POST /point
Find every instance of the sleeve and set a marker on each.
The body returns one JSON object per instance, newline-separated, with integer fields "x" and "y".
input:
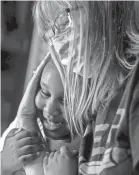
{"x": 134, "y": 128}
{"x": 12, "y": 126}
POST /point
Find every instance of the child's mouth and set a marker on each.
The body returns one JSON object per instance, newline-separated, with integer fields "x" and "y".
{"x": 52, "y": 125}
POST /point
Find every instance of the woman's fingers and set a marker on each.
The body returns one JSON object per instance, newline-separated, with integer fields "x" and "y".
{"x": 29, "y": 141}
{"x": 30, "y": 149}
{"x": 23, "y": 134}
{"x": 26, "y": 115}
{"x": 27, "y": 105}
{"x": 29, "y": 158}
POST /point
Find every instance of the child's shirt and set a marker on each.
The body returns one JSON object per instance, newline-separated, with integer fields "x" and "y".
{"x": 113, "y": 147}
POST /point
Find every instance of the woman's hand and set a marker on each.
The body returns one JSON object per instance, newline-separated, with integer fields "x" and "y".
{"x": 61, "y": 162}
{"x": 26, "y": 115}
{"x": 21, "y": 147}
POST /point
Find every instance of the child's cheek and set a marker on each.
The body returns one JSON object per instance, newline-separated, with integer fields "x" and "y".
{"x": 39, "y": 101}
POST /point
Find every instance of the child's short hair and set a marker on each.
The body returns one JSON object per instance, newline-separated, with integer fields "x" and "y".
{"x": 105, "y": 41}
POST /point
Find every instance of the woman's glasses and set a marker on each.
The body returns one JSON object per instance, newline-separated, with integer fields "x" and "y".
{"x": 60, "y": 25}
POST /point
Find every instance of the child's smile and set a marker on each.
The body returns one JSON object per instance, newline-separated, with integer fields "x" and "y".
{"x": 50, "y": 101}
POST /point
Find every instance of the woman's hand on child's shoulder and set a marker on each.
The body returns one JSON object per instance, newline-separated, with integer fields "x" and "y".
{"x": 63, "y": 162}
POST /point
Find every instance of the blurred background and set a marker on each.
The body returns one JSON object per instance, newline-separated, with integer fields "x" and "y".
{"x": 21, "y": 51}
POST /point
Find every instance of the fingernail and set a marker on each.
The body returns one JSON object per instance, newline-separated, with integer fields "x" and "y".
{"x": 38, "y": 153}
{"x": 74, "y": 150}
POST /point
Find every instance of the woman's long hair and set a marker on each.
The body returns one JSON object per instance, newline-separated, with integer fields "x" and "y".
{"x": 102, "y": 51}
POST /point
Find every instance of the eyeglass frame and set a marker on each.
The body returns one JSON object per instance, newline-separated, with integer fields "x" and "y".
{"x": 67, "y": 10}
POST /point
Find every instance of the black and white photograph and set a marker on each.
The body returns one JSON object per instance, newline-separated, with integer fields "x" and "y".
{"x": 69, "y": 87}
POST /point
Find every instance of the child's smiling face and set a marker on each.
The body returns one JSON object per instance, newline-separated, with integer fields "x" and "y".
{"x": 50, "y": 101}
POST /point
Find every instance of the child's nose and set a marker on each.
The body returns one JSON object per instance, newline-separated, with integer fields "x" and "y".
{"x": 52, "y": 108}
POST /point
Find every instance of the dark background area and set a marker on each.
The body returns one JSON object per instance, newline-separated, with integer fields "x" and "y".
{"x": 16, "y": 34}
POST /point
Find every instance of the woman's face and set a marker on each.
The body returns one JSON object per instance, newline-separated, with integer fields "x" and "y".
{"x": 50, "y": 101}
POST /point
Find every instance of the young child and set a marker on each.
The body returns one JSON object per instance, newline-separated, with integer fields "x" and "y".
{"x": 50, "y": 101}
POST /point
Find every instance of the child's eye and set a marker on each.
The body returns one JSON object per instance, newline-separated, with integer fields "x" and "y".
{"x": 45, "y": 94}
